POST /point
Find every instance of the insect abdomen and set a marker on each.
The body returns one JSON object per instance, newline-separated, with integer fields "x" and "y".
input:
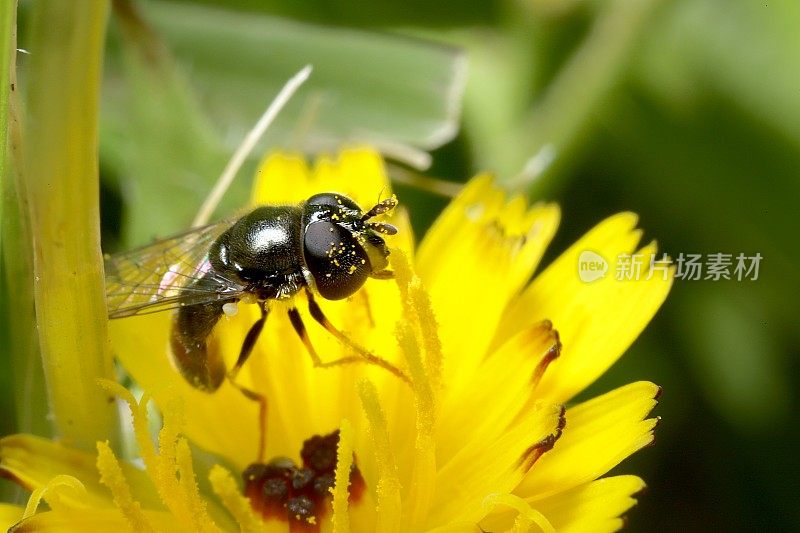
{"x": 191, "y": 327}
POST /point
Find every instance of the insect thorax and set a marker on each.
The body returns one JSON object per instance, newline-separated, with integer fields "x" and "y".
{"x": 263, "y": 252}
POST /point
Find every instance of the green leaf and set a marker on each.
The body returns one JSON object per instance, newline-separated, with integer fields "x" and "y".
{"x": 364, "y": 83}
{"x": 747, "y": 51}
{"x": 167, "y": 134}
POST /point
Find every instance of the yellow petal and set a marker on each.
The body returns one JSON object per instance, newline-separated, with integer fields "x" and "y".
{"x": 89, "y": 521}
{"x": 597, "y": 321}
{"x": 485, "y": 249}
{"x": 590, "y": 507}
{"x": 499, "y": 390}
{"x": 522, "y": 517}
{"x": 497, "y": 466}
{"x": 287, "y": 179}
{"x": 359, "y": 173}
{"x": 599, "y": 434}
{"x": 34, "y": 461}
{"x": 9, "y": 515}
{"x": 458, "y": 527}
{"x": 282, "y": 179}
{"x": 593, "y": 507}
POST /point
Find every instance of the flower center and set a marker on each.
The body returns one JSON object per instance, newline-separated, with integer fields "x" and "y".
{"x": 280, "y": 489}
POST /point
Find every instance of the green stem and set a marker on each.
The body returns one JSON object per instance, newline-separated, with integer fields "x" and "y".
{"x": 61, "y": 145}
{"x": 24, "y": 368}
{"x": 558, "y": 124}
{"x": 541, "y": 148}
{"x": 8, "y": 50}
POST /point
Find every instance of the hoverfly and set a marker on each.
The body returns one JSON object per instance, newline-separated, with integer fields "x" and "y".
{"x": 326, "y": 245}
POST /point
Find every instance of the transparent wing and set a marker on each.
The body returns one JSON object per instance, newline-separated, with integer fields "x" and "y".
{"x": 167, "y": 274}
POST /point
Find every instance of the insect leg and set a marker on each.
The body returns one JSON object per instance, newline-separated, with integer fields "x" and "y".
{"x": 364, "y": 354}
{"x": 247, "y": 348}
{"x": 249, "y": 342}
{"x": 300, "y": 328}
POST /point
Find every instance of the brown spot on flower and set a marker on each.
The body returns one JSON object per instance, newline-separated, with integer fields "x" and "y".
{"x": 297, "y": 494}
{"x": 319, "y": 452}
{"x": 533, "y": 453}
{"x": 550, "y": 355}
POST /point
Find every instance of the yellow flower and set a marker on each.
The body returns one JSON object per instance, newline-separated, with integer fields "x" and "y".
{"x": 479, "y": 439}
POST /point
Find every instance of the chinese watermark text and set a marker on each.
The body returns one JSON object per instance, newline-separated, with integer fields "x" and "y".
{"x": 687, "y": 266}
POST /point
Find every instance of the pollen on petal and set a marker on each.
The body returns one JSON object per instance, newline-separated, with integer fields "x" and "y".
{"x": 225, "y": 487}
{"x": 179, "y": 495}
{"x": 139, "y": 416}
{"x": 111, "y": 476}
{"x": 340, "y": 489}
{"x": 417, "y": 310}
{"x": 416, "y": 334}
{"x": 188, "y": 483}
{"x": 388, "y": 489}
{"x": 176, "y": 493}
{"x": 423, "y": 476}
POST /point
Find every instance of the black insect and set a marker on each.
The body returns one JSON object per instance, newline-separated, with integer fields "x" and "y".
{"x": 326, "y": 245}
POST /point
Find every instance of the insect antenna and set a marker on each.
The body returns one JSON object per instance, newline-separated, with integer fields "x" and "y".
{"x": 382, "y": 227}
{"x": 384, "y": 206}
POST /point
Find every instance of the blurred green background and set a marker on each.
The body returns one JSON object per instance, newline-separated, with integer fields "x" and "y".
{"x": 684, "y": 111}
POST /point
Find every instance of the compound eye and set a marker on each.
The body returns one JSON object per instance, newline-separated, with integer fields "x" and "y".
{"x": 336, "y": 259}
{"x": 333, "y": 199}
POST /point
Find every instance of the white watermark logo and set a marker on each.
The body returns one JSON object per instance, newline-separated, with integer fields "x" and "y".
{"x": 691, "y": 267}
{"x": 591, "y": 266}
